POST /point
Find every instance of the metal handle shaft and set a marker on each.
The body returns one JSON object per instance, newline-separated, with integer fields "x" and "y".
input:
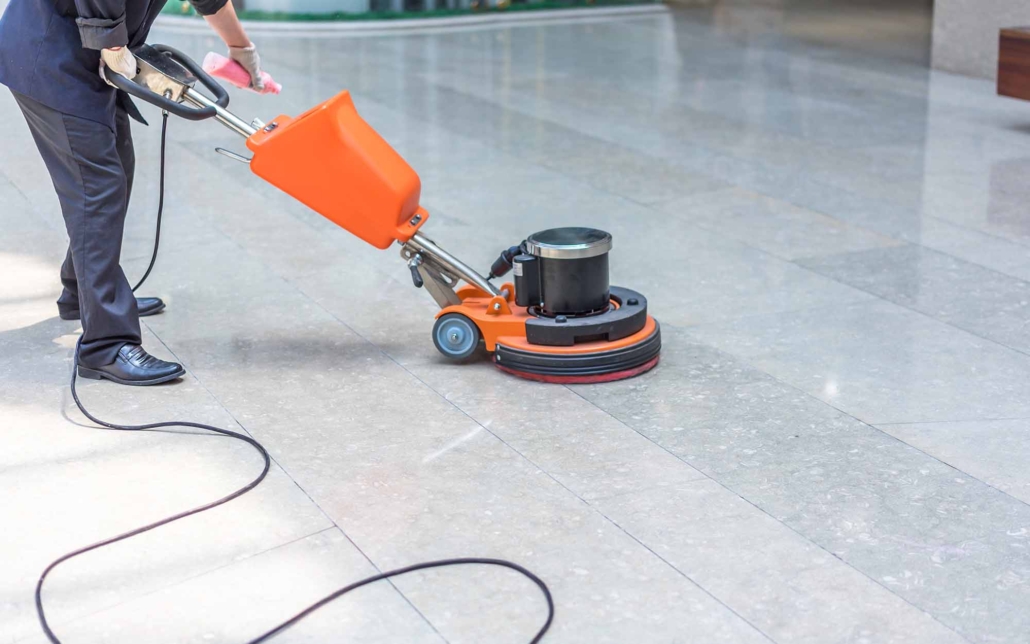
{"x": 222, "y": 115}
{"x": 426, "y": 246}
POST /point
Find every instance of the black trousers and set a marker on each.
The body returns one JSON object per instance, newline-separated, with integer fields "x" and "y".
{"x": 92, "y": 168}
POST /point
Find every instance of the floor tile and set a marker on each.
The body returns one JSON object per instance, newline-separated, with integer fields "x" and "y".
{"x": 776, "y": 227}
{"x": 992, "y": 451}
{"x": 249, "y": 597}
{"x": 766, "y": 572}
{"x": 97, "y": 483}
{"x": 882, "y": 363}
{"x": 989, "y": 304}
{"x": 985, "y": 250}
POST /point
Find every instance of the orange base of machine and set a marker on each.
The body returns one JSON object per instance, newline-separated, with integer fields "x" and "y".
{"x": 502, "y": 324}
{"x": 501, "y": 321}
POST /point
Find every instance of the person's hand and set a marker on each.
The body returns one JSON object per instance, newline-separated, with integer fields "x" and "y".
{"x": 249, "y": 59}
{"x": 120, "y": 60}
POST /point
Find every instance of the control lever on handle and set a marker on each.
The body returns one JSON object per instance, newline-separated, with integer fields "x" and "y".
{"x": 413, "y": 265}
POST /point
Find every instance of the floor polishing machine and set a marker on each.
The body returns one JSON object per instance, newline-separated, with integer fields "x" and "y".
{"x": 559, "y": 320}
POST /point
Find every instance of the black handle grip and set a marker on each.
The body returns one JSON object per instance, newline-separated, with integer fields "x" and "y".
{"x": 416, "y": 278}
{"x": 144, "y": 94}
{"x": 213, "y": 86}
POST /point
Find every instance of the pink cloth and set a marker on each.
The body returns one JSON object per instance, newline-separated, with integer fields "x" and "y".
{"x": 227, "y": 69}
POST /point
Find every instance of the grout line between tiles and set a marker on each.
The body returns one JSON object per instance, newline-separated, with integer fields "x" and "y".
{"x": 927, "y": 249}
{"x": 909, "y": 445}
{"x": 38, "y": 215}
{"x": 686, "y": 326}
{"x": 943, "y": 422}
{"x": 767, "y": 514}
{"x": 876, "y": 426}
{"x": 979, "y": 231}
{"x": 927, "y": 315}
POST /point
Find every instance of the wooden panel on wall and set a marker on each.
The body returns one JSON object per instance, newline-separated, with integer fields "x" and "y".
{"x": 1014, "y": 63}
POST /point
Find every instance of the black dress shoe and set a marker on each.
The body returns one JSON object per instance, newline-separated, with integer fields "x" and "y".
{"x": 134, "y": 366}
{"x": 145, "y": 305}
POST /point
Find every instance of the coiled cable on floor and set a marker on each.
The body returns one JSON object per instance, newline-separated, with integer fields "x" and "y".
{"x": 41, "y": 613}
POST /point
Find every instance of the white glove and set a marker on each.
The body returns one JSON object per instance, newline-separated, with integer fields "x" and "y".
{"x": 120, "y": 60}
{"x": 249, "y": 59}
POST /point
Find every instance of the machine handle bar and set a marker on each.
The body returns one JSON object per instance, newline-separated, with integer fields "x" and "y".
{"x": 166, "y": 104}
{"x": 221, "y": 97}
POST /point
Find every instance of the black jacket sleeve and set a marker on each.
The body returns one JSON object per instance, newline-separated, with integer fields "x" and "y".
{"x": 101, "y": 23}
{"x": 208, "y": 7}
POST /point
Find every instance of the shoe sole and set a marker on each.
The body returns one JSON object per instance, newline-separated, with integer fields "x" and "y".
{"x": 94, "y": 374}
{"x": 76, "y": 315}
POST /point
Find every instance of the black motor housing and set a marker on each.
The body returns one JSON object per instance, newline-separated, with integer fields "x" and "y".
{"x": 579, "y": 328}
{"x": 564, "y": 272}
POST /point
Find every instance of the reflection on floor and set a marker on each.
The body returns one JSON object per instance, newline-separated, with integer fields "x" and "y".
{"x": 832, "y": 450}
{"x": 897, "y": 29}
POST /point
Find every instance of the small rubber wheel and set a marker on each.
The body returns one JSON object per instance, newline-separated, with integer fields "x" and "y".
{"x": 456, "y": 336}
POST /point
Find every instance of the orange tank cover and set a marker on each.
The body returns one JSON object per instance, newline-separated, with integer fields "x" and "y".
{"x": 332, "y": 161}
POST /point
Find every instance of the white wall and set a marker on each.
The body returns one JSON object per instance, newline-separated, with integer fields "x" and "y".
{"x": 965, "y": 33}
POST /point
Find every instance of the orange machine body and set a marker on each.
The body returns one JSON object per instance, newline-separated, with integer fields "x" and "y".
{"x": 332, "y": 161}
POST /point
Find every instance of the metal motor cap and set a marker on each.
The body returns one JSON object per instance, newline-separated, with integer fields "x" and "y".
{"x": 569, "y": 243}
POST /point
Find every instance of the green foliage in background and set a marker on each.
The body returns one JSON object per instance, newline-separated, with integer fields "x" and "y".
{"x": 183, "y": 8}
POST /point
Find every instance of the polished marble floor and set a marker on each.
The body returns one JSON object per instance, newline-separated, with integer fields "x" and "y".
{"x": 834, "y": 448}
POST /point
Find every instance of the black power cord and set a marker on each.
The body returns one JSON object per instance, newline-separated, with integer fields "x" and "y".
{"x": 41, "y": 613}
{"x": 160, "y": 202}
